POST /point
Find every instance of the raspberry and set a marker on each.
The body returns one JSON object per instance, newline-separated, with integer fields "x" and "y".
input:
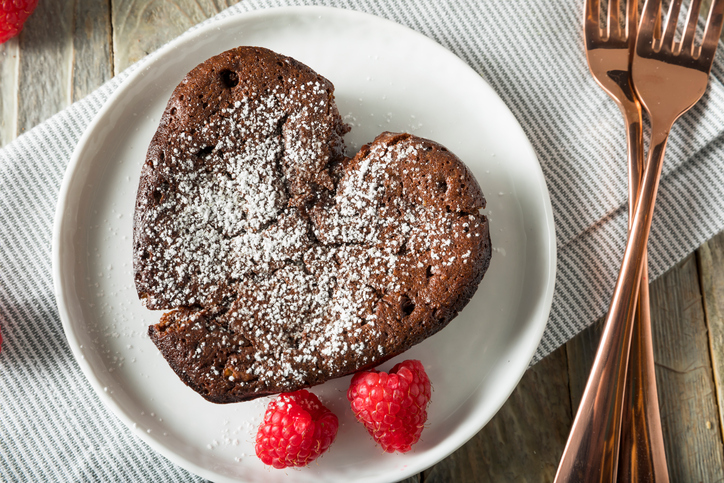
{"x": 393, "y": 407}
{"x": 13, "y": 14}
{"x": 296, "y": 429}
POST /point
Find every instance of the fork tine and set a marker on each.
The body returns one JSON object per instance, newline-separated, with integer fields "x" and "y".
{"x": 632, "y": 17}
{"x": 713, "y": 30}
{"x": 649, "y": 21}
{"x": 671, "y": 21}
{"x": 592, "y": 21}
{"x": 613, "y": 23}
{"x": 687, "y": 41}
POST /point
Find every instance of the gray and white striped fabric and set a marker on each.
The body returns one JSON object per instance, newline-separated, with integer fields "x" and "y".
{"x": 52, "y": 425}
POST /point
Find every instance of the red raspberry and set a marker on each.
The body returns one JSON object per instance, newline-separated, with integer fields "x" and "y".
{"x": 13, "y": 14}
{"x": 297, "y": 428}
{"x": 393, "y": 407}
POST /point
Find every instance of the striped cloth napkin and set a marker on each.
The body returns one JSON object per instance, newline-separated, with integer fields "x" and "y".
{"x": 532, "y": 55}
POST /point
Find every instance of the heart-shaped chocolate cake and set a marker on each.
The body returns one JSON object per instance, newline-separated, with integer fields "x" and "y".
{"x": 285, "y": 263}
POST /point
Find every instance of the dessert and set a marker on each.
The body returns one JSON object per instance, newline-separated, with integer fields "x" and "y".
{"x": 283, "y": 263}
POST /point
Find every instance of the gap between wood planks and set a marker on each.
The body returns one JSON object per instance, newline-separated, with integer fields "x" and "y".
{"x": 710, "y": 262}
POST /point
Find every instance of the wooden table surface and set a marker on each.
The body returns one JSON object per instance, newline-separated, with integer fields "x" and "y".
{"x": 70, "y": 47}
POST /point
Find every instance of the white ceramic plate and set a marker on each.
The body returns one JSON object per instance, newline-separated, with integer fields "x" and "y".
{"x": 387, "y": 77}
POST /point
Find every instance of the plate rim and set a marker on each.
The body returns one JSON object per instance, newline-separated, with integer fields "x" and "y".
{"x": 62, "y": 294}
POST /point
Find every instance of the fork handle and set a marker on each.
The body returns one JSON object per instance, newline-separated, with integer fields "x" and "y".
{"x": 591, "y": 453}
{"x": 642, "y": 457}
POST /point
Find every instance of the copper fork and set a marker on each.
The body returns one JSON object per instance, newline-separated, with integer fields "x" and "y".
{"x": 669, "y": 78}
{"x": 609, "y": 53}
{"x": 641, "y": 456}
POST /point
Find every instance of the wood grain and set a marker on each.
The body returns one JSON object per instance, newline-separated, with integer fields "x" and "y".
{"x": 684, "y": 377}
{"x": 92, "y": 56}
{"x": 62, "y": 54}
{"x": 711, "y": 266}
{"x": 46, "y": 58}
{"x": 143, "y": 26}
{"x": 525, "y": 440}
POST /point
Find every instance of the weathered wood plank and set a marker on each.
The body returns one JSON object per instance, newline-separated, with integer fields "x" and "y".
{"x": 46, "y": 57}
{"x": 525, "y": 440}
{"x": 141, "y": 27}
{"x": 9, "y": 59}
{"x": 684, "y": 376}
{"x": 92, "y": 43}
{"x": 711, "y": 268}
{"x": 62, "y": 54}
